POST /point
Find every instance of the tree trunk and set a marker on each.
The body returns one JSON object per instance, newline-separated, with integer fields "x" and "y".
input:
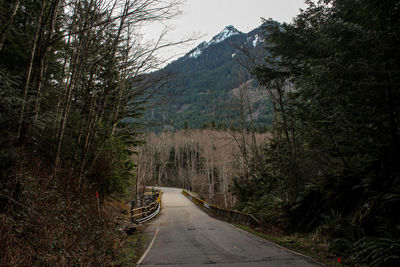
{"x": 42, "y": 65}
{"x": 29, "y": 71}
{"x": 9, "y": 23}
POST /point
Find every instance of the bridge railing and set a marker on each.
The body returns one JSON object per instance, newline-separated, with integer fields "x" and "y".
{"x": 225, "y": 214}
{"x": 143, "y": 214}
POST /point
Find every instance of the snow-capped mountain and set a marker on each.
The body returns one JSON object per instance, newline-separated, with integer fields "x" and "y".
{"x": 217, "y": 49}
{"x": 223, "y": 35}
{"x": 204, "y": 79}
{"x": 198, "y": 50}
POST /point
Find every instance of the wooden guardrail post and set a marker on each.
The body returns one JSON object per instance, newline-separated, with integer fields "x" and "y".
{"x": 138, "y": 214}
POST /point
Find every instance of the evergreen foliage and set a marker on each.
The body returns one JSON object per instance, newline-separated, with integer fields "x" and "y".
{"x": 199, "y": 90}
{"x": 333, "y": 164}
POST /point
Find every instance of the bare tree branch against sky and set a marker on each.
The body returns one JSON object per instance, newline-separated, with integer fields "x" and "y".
{"x": 205, "y": 18}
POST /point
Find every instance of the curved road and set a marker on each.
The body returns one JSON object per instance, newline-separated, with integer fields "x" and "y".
{"x": 186, "y": 236}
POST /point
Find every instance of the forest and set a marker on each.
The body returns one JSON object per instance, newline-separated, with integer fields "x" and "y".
{"x": 202, "y": 90}
{"x": 70, "y": 72}
{"x": 332, "y": 166}
{"x": 201, "y": 160}
{"x": 74, "y": 83}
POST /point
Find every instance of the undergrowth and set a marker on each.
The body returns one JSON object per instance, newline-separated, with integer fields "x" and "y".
{"x": 308, "y": 245}
{"x": 55, "y": 221}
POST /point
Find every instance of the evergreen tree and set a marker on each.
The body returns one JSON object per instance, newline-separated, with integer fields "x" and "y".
{"x": 331, "y": 75}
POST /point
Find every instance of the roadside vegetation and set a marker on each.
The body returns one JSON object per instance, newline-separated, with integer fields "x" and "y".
{"x": 70, "y": 72}
{"x": 306, "y": 245}
{"x": 331, "y": 168}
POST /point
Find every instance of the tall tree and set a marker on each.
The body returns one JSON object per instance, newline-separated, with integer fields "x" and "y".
{"x": 336, "y": 126}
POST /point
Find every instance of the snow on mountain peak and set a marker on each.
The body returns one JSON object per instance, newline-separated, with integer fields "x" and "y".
{"x": 255, "y": 40}
{"x": 226, "y": 33}
{"x": 195, "y": 53}
{"x": 198, "y": 50}
{"x": 223, "y": 35}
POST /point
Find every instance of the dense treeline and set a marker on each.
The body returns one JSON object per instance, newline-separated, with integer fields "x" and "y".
{"x": 332, "y": 167}
{"x": 204, "y": 161}
{"x": 70, "y": 71}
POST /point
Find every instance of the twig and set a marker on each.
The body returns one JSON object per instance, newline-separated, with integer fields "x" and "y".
{"x": 20, "y": 204}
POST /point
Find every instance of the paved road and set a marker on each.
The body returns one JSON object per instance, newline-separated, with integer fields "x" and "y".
{"x": 186, "y": 236}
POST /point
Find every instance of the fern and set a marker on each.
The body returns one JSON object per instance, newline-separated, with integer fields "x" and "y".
{"x": 378, "y": 251}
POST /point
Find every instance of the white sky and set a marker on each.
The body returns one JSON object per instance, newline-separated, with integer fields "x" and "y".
{"x": 206, "y": 18}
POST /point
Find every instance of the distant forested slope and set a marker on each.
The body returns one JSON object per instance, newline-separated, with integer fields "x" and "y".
{"x": 200, "y": 91}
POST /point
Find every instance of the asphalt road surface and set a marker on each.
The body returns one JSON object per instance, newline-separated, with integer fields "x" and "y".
{"x": 186, "y": 236}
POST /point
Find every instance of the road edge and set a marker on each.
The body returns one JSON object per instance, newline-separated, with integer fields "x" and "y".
{"x": 148, "y": 248}
{"x": 279, "y": 246}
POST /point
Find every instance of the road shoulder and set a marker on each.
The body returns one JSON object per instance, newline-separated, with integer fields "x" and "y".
{"x": 295, "y": 244}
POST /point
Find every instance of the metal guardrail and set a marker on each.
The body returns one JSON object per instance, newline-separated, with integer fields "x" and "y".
{"x": 225, "y": 214}
{"x": 144, "y": 214}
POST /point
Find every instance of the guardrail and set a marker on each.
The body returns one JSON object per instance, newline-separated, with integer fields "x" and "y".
{"x": 225, "y": 214}
{"x": 144, "y": 214}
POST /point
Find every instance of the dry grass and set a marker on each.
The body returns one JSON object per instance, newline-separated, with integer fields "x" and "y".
{"x": 304, "y": 244}
{"x": 48, "y": 221}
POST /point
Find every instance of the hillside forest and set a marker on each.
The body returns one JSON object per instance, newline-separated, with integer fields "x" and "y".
{"x": 75, "y": 81}
{"x": 204, "y": 89}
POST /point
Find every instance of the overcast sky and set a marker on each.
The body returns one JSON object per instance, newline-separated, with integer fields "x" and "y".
{"x": 207, "y": 18}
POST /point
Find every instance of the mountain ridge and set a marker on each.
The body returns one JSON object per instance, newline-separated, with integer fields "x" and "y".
{"x": 227, "y": 32}
{"x": 203, "y": 80}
